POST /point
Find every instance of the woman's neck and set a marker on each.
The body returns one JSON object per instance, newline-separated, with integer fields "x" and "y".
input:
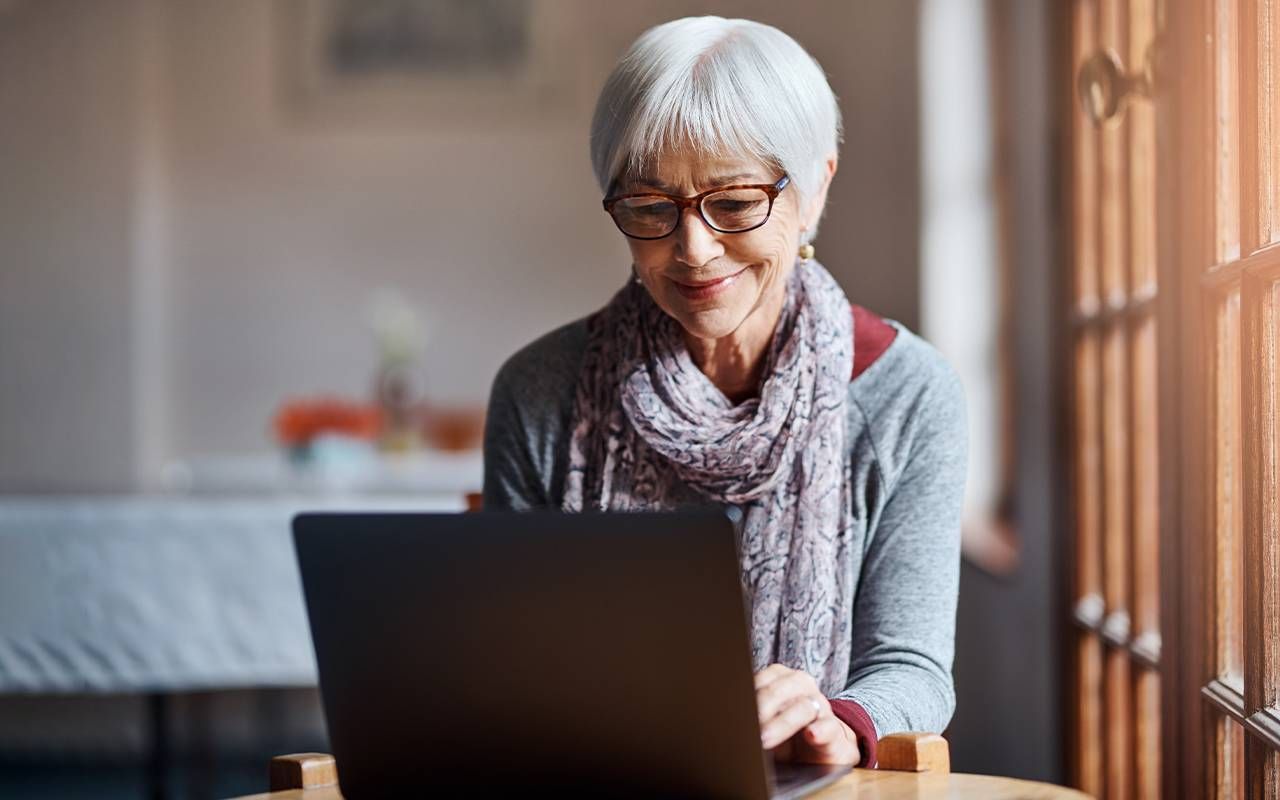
{"x": 734, "y": 363}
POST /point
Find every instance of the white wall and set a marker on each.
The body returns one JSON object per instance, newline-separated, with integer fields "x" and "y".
{"x": 255, "y": 238}
{"x": 67, "y": 198}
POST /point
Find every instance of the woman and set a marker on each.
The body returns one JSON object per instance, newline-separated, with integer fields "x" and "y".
{"x": 721, "y": 374}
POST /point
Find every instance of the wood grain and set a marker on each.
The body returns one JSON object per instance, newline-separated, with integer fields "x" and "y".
{"x": 1226, "y": 130}
{"x": 1084, "y": 169}
{"x": 1257, "y": 174}
{"x": 1260, "y": 300}
{"x": 914, "y": 752}
{"x": 303, "y": 771}
{"x": 861, "y": 784}
{"x": 1118, "y": 707}
{"x": 1227, "y": 635}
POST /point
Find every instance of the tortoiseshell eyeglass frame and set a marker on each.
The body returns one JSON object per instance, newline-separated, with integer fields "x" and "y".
{"x": 771, "y": 189}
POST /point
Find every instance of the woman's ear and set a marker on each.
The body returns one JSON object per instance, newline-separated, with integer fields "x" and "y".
{"x": 813, "y": 212}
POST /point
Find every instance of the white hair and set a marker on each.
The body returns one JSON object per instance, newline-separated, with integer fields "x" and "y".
{"x": 722, "y": 86}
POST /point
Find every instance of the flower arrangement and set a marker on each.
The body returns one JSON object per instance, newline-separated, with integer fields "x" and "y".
{"x": 298, "y": 422}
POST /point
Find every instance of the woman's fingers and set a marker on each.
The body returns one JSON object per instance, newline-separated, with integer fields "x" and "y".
{"x": 824, "y": 732}
{"x": 782, "y": 691}
{"x": 770, "y": 674}
{"x": 802, "y": 711}
{"x": 827, "y": 741}
{"x": 790, "y": 703}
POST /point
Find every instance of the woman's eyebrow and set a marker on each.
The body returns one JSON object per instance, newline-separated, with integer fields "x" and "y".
{"x": 711, "y": 183}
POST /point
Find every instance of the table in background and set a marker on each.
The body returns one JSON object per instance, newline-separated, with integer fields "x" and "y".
{"x": 155, "y": 595}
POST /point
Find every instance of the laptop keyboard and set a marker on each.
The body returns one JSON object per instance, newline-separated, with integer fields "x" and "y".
{"x": 797, "y": 780}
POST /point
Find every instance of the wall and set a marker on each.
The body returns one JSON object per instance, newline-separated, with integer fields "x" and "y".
{"x": 68, "y": 116}
{"x": 280, "y": 228}
{"x": 179, "y": 253}
{"x": 1010, "y": 719}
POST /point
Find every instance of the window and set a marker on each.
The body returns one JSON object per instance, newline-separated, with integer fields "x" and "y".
{"x": 1174, "y": 181}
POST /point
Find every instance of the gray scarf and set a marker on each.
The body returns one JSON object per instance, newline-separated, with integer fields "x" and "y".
{"x": 646, "y": 420}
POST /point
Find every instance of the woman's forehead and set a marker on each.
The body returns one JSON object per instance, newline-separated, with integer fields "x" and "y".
{"x": 682, "y": 171}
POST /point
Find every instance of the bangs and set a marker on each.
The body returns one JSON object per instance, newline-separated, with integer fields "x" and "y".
{"x": 693, "y": 118}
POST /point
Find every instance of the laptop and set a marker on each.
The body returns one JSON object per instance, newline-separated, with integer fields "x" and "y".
{"x": 586, "y": 654}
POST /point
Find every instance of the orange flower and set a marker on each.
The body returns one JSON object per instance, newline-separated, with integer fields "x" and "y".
{"x": 297, "y": 422}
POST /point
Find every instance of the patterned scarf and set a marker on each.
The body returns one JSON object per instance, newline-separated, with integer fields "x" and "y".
{"x": 646, "y": 420}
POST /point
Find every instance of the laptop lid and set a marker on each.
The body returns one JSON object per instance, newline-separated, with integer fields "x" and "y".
{"x": 490, "y": 651}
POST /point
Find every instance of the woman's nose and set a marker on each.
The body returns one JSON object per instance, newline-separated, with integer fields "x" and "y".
{"x": 696, "y": 244}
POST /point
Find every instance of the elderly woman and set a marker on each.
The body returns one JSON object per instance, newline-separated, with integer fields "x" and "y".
{"x": 731, "y": 369}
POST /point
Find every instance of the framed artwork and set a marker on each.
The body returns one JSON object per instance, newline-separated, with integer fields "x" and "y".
{"x": 424, "y": 61}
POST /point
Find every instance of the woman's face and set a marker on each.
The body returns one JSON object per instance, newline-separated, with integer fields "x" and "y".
{"x": 710, "y": 282}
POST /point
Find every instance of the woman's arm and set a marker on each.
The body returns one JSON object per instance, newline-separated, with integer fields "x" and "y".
{"x": 905, "y": 612}
{"x": 529, "y": 408}
{"x": 511, "y": 473}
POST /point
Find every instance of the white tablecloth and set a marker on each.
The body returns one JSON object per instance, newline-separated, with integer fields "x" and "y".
{"x": 149, "y": 594}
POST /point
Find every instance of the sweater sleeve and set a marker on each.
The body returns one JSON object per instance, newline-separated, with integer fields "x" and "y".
{"x": 905, "y": 609}
{"x": 529, "y": 408}
{"x": 511, "y": 474}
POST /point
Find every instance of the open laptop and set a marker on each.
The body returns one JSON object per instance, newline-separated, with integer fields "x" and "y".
{"x": 595, "y": 654}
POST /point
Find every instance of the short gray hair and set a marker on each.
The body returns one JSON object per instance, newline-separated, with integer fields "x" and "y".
{"x": 722, "y": 86}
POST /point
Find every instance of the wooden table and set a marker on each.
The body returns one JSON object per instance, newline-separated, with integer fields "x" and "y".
{"x": 921, "y": 770}
{"x": 863, "y": 784}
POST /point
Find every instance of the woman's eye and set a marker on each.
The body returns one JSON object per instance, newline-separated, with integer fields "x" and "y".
{"x": 652, "y": 210}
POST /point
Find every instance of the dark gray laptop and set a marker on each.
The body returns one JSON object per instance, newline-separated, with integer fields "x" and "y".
{"x": 590, "y": 654}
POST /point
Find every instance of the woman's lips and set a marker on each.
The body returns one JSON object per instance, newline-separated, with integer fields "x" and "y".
{"x": 707, "y": 289}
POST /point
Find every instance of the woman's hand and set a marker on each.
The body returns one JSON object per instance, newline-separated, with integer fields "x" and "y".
{"x": 796, "y": 721}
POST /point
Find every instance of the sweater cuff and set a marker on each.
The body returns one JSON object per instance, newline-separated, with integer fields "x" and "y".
{"x": 857, "y": 718}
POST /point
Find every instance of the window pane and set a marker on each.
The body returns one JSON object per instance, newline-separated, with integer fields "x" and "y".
{"x": 1085, "y": 166}
{"x": 1088, "y": 572}
{"x": 1146, "y": 693}
{"x": 1117, "y": 544}
{"x": 1260, "y": 146}
{"x": 1260, "y": 328}
{"x": 1114, "y": 225}
{"x": 1227, "y": 130}
{"x": 1141, "y": 119}
{"x": 1228, "y": 773}
{"x": 1146, "y": 496}
{"x": 1228, "y": 506}
{"x": 1088, "y": 472}
{"x": 1115, "y": 470}
{"x": 1261, "y": 769}
{"x": 1088, "y": 747}
{"x": 1269, "y": 114}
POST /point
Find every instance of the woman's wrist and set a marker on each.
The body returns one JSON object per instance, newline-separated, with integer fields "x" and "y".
{"x": 856, "y": 718}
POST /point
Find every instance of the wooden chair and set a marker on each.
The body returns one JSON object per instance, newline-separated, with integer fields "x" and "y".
{"x": 906, "y": 752}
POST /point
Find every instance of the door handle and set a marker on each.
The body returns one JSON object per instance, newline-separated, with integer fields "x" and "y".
{"x": 1105, "y": 89}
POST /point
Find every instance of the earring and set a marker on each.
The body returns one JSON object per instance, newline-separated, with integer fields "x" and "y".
{"x": 806, "y": 252}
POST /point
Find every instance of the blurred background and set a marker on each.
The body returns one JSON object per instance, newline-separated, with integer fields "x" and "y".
{"x": 265, "y": 255}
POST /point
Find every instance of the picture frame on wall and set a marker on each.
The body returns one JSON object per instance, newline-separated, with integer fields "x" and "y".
{"x": 424, "y": 62}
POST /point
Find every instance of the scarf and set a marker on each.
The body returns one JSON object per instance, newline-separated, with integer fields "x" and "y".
{"x": 647, "y": 422}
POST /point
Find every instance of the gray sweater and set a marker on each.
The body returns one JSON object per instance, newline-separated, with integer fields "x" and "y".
{"x": 906, "y": 449}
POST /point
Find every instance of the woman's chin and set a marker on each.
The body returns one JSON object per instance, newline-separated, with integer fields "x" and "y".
{"x": 710, "y": 323}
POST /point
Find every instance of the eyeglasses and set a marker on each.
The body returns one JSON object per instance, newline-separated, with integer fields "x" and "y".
{"x": 727, "y": 209}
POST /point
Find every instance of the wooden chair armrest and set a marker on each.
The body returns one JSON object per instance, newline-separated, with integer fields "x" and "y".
{"x": 914, "y": 752}
{"x": 303, "y": 771}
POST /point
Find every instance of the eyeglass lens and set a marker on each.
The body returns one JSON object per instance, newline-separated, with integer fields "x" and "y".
{"x": 729, "y": 211}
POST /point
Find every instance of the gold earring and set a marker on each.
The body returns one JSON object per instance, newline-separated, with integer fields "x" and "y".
{"x": 806, "y": 252}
